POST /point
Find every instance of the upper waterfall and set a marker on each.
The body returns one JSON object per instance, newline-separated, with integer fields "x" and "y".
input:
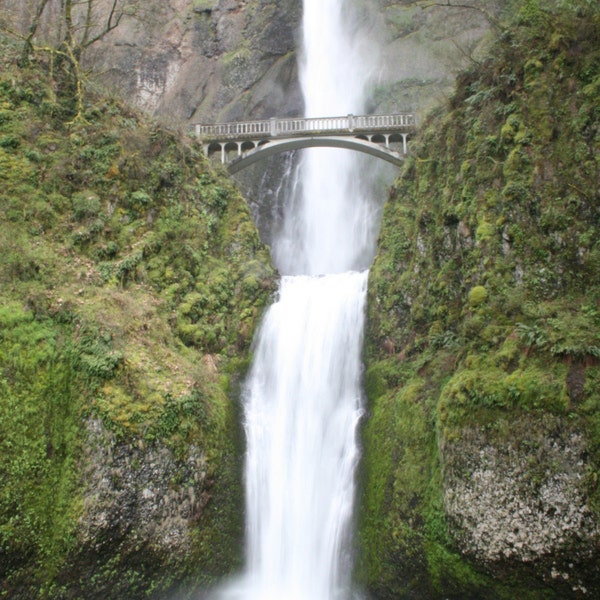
{"x": 331, "y": 228}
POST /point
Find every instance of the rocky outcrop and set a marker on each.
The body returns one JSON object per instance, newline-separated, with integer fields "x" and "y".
{"x": 521, "y": 500}
{"x": 207, "y": 60}
{"x": 138, "y": 495}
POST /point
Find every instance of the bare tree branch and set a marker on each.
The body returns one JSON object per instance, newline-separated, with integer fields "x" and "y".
{"x": 88, "y": 22}
{"x": 111, "y": 23}
{"x": 466, "y": 54}
{"x": 33, "y": 27}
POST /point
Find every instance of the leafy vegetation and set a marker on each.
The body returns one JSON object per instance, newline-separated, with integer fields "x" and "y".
{"x": 132, "y": 278}
{"x": 484, "y": 299}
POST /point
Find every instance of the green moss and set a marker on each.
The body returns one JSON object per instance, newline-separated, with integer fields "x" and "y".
{"x": 385, "y": 528}
{"x": 132, "y": 281}
{"x": 473, "y": 389}
{"x": 39, "y": 446}
{"x": 477, "y": 296}
{"x": 483, "y": 292}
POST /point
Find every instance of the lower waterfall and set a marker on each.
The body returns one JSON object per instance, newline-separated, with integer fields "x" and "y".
{"x": 302, "y": 407}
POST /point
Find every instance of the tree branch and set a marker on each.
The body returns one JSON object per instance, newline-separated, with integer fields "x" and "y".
{"x": 111, "y": 23}
{"x": 27, "y": 45}
{"x": 467, "y": 55}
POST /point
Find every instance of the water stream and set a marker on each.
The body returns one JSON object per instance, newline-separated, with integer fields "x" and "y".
{"x": 303, "y": 396}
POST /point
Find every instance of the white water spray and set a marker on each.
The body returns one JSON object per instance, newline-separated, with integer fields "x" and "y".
{"x": 303, "y": 394}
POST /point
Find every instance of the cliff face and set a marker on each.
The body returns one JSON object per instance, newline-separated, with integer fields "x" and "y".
{"x": 481, "y": 450}
{"x": 207, "y": 60}
{"x": 219, "y": 60}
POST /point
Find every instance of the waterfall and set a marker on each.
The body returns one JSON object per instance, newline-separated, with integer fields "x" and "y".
{"x": 303, "y": 405}
{"x": 302, "y": 398}
{"x": 331, "y": 227}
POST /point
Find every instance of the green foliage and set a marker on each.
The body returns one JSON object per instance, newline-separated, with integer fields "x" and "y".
{"x": 93, "y": 353}
{"x": 116, "y": 238}
{"x": 563, "y": 330}
{"x": 85, "y": 204}
{"x": 481, "y": 386}
{"x": 485, "y": 290}
{"x": 576, "y": 335}
{"x": 38, "y": 445}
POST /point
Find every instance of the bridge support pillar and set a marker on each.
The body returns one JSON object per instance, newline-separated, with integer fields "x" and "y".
{"x": 223, "y": 156}
{"x": 404, "y": 148}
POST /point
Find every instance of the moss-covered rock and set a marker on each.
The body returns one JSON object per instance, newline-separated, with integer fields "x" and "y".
{"x": 482, "y": 449}
{"x": 132, "y": 278}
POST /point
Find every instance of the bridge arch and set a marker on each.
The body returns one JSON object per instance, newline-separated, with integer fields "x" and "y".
{"x": 277, "y": 146}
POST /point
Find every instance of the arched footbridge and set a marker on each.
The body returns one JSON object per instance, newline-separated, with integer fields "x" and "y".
{"x": 241, "y": 144}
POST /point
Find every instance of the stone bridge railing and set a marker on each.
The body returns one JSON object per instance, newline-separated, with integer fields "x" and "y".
{"x": 273, "y": 128}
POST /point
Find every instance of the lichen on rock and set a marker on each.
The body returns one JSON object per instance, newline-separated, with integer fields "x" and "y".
{"x": 520, "y": 500}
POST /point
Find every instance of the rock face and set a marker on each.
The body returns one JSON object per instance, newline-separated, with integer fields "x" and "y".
{"x": 218, "y": 60}
{"x": 422, "y": 51}
{"x": 139, "y": 496}
{"x": 206, "y": 60}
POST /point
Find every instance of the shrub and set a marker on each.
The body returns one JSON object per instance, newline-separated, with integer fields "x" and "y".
{"x": 477, "y": 296}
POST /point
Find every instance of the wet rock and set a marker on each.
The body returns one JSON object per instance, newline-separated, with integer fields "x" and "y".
{"x": 140, "y": 492}
{"x": 521, "y": 499}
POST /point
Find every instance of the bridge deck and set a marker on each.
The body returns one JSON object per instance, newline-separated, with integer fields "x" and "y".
{"x": 295, "y": 127}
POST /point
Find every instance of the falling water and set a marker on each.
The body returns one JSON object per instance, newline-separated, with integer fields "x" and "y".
{"x": 303, "y": 395}
{"x": 302, "y": 410}
{"x": 332, "y": 227}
